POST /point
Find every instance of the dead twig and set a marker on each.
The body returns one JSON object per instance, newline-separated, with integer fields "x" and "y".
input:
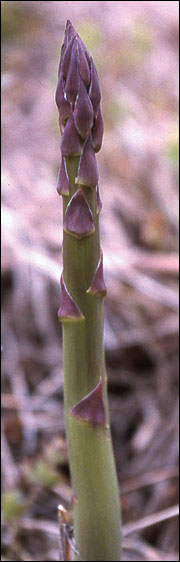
{"x": 64, "y": 545}
{"x": 148, "y": 479}
{"x": 150, "y": 520}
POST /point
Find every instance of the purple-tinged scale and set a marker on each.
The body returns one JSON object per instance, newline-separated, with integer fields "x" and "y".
{"x": 72, "y": 80}
{"x": 61, "y": 101}
{"x": 69, "y": 31}
{"x": 71, "y": 143}
{"x": 79, "y": 218}
{"x": 85, "y": 50}
{"x": 83, "y": 112}
{"x": 61, "y": 58}
{"x": 97, "y": 131}
{"x": 67, "y": 56}
{"x": 87, "y": 170}
{"x": 98, "y": 286}
{"x": 98, "y": 200}
{"x": 91, "y": 408}
{"x": 67, "y": 35}
{"x": 69, "y": 310}
{"x": 84, "y": 66}
{"x": 94, "y": 90}
{"x": 63, "y": 180}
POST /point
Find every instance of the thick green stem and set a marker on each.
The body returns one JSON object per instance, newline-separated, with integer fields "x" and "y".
{"x": 94, "y": 481}
{"x": 96, "y": 507}
{"x": 83, "y": 341}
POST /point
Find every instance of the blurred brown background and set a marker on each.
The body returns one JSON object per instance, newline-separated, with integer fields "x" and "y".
{"x": 135, "y": 48}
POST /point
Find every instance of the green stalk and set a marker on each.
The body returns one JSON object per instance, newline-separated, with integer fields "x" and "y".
{"x": 94, "y": 481}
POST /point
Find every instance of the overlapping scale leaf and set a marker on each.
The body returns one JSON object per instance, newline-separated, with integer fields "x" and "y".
{"x": 83, "y": 112}
{"x": 79, "y": 218}
{"x": 88, "y": 170}
{"x": 71, "y": 143}
{"x": 72, "y": 79}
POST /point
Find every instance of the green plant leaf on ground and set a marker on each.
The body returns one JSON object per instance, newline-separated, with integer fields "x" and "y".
{"x": 43, "y": 474}
{"x": 172, "y": 152}
{"x": 13, "y": 506}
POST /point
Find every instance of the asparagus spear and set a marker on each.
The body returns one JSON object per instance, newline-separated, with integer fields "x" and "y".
{"x": 93, "y": 474}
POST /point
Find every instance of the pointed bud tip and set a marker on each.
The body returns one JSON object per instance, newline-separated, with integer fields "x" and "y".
{"x": 69, "y": 24}
{"x": 91, "y": 408}
{"x": 69, "y": 31}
